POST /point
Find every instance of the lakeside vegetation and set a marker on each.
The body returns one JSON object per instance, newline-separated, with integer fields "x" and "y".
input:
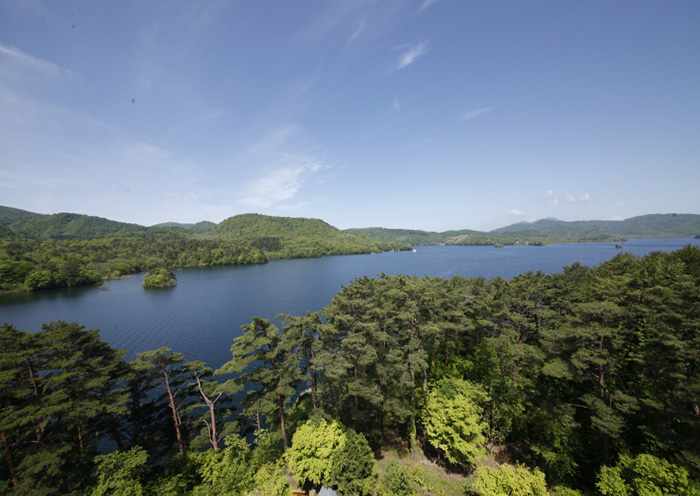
{"x": 66, "y": 250}
{"x": 586, "y": 382}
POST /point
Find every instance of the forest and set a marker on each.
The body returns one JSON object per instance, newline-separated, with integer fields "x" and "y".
{"x": 65, "y": 250}
{"x": 583, "y": 382}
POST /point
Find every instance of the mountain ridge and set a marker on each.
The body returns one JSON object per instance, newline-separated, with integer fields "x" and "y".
{"x": 252, "y": 226}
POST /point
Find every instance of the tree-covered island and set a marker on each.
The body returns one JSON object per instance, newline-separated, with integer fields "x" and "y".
{"x": 584, "y": 382}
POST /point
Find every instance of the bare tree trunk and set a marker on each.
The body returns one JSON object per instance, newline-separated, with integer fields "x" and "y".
{"x": 176, "y": 416}
{"x": 211, "y": 428}
{"x": 280, "y": 405}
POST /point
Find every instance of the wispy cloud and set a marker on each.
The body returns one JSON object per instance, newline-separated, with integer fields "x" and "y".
{"x": 357, "y": 32}
{"x": 279, "y": 185}
{"x": 395, "y": 104}
{"x": 471, "y": 114}
{"x": 410, "y": 55}
{"x": 273, "y": 140}
{"x": 516, "y": 213}
{"x": 426, "y": 4}
{"x": 555, "y": 201}
{"x": 19, "y": 64}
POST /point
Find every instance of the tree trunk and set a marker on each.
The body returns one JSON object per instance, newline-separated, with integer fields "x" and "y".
{"x": 115, "y": 431}
{"x": 211, "y": 428}
{"x": 176, "y": 416}
{"x": 311, "y": 380}
{"x": 280, "y": 405}
{"x": 9, "y": 458}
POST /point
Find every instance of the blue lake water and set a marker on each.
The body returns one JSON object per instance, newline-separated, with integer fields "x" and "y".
{"x": 204, "y": 312}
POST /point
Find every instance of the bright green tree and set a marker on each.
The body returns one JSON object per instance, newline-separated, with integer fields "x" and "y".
{"x": 120, "y": 473}
{"x": 225, "y": 472}
{"x": 314, "y": 446}
{"x": 452, "y": 419}
{"x": 645, "y": 475}
{"x": 508, "y": 480}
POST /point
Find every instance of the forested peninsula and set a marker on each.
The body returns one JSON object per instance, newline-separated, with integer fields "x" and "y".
{"x": 65, "y": 250}
{"x": 583, "y": 382}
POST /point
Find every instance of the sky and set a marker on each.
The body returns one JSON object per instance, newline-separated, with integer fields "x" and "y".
{"x": 414, "y": 114}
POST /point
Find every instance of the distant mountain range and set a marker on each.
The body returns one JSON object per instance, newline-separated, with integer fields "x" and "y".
{"x": 291, "y": 237}
{"x": 551, "y": 231}
{"x": 643, "y": 226}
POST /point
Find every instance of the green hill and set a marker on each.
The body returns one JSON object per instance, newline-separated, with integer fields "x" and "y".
{"x": 643, "y": 226}
{"x": 199, "y": 226}
{"x": 71, "y": 226}
{"x": 9, "y": 215}
{"x": 412, "y": 237}
{"x": 292, "y": 237}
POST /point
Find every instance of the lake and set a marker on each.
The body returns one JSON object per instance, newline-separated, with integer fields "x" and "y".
{"x": 204, "y": 312}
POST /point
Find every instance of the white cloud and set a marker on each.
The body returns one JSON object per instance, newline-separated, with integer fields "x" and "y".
{"x": 470, "y": 114}
{"x": 412, "y": 54}
{"x": 395, "y": 105}
{"x": 554, "y": 200}
{"x": 516, "y": 213}
{"x": 278, "y": 186}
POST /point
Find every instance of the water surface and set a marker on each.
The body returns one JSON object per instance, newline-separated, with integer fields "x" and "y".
{"x": 204, "y": 312}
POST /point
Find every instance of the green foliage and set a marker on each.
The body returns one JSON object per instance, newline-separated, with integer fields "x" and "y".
{"x": 313, "y": 451}
{"x": 352, "y": 467}
{"x": 397, "y": 480}
{"x": 30, "y": 265}
{"x": 58, "y": 387}
{"x": 644, "y": 475}
{"x": 452, "y": 419}
{"x": 274, "y": 371}
{"x": 225, "y": 472}
{"x": 324, "y": 453}
{"x": 159, "y": 278}
{"x": 507, "y": 480}
{"x": 287, "y": 237}
{"x": 271, "y": 480}
{"x": 568, "y": 370}
{"x": 120, "y": 473}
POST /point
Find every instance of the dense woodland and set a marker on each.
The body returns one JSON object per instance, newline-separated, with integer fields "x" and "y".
{"x": 585, "y": 382}
{"x": 65, "y": 250}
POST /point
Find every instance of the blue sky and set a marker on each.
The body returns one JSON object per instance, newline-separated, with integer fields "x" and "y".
{"x": 421, "y": 114}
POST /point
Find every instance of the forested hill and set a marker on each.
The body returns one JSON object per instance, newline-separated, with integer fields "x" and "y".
{"x": 25, "y": 224}
{"x": 62, "y": 250}
{"x": 550, "y": 231}
{"x": 199, "y": 226}
{"x": 291, "y": 237}
{"x": 643, "y": 226}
